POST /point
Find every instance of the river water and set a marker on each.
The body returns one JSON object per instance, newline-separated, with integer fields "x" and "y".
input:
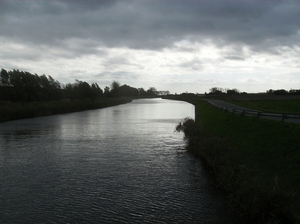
{"x": 123, "y": 164}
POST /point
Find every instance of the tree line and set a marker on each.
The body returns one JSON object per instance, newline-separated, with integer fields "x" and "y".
{"x": 23, "y": 86}
{"x": 283, "y": 92}
{"x": 220, "y": 91}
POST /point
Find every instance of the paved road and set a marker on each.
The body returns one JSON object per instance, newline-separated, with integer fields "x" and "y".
{"x": 271, "y": 116}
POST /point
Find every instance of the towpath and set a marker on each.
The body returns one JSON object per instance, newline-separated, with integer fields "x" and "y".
{"x": 273, "y": 116}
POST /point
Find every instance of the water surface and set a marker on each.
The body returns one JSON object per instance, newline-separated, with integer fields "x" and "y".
{"x": 122, "y": 164}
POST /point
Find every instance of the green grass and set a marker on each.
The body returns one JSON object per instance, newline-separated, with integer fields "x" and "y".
{"x": 256, "y": 161}
{"x": 20, "y": 110}
{"x": 280, "y": 106}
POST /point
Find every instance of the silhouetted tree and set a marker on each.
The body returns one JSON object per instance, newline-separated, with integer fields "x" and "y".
{"x": 115, "y": 85}
{"x": 23, "y": 86}
{"x": 232, "y": 91}
{"x": 142, "y": 92}
{"x": 216, "y": 90}
{"x": 106, "y": 91}
{"x": 69, "y": 91}
{"x": 280, "y": 92}
{"x": 82, "y": 90}
{"x": 4, "y": 78}
{"x": 151, "y": 91}
{"x": 97, "y": 92}
{"x": 294, "y": 91}
{"x": 126, "y": 90}
{"x": 162, "y": 92}
{"x": 115, "y": 88}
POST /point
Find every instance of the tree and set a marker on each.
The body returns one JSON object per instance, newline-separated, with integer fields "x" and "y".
{"x": 44, "y": 81}
{"x": 280, "y": 92}
{"x": 294, "y": 91}
{"x": 83, "y": 89}
{"x": 54, "y": 89}
{"x": 232, "y": 91}
{"x": 163, "y": 92}
{"x": 68, "y": 90}
{"x": 115, "y": 85}
{"x": 96, "y": 91}
{"x": 115, "y": 88}
{"x": 106, "y": 91}
{"x": 216, "y": 90}
{"x": 151, "y": 91}
{"x": 142, "y": 92}
{"x": 126, "y": 90}
{"x": 4, "y": 78}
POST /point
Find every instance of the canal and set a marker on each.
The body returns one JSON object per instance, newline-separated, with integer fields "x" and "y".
{"x": 122, "y": 164}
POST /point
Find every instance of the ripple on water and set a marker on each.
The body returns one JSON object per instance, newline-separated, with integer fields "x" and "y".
{"x": 103, "y": 166}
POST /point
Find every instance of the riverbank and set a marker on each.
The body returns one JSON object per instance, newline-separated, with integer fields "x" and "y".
{"x": 256, "y": 161}
{"x": 20, "y": 110}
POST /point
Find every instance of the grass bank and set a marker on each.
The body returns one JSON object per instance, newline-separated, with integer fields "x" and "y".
{"x": 256, "y": 161}
{"x": 20, "y": 110}
{"x": 278, "y": 106}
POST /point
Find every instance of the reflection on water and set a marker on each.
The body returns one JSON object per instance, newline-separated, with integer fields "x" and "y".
{"x": 121, "y": 164}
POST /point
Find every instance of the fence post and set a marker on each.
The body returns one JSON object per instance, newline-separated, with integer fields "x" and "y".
{"x": 233, "y": 111}
{"x": 243, "y": 113}
{"x": 258, "y": 114}
{"x": 283, "y": 117}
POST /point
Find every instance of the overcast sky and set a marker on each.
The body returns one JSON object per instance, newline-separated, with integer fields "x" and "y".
{"x": 175, "y": 45}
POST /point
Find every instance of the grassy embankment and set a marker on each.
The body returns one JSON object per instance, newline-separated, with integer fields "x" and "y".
{"x": 279, "y": 106}
{"x": 20, "y": 110}
{"x": 257, "y": 161}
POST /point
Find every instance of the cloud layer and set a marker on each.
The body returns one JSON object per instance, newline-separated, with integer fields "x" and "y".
{"x": 198, "y": 44}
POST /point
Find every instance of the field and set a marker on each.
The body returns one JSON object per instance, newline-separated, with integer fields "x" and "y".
{"x": 256, "y": 161}
{"x": 279, "y": 106}
{"x": 264, "y": 102}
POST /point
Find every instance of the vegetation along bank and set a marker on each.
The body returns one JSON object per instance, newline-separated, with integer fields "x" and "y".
{"x": 26, "y": 95}
{"x": 20, "y": 110}
{"x": 256, "y": 161}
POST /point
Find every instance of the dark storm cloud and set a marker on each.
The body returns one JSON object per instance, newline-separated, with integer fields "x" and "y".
{"x": 152, "y": 24}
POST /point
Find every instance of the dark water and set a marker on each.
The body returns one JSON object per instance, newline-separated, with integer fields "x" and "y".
{"x": 123, "y": 164}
